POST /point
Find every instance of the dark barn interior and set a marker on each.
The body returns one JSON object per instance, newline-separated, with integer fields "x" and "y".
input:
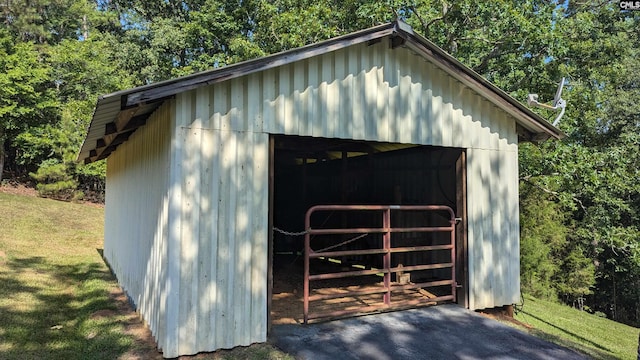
{"x": 315, "y": 171}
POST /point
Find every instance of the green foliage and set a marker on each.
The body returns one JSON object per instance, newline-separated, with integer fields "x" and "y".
{"x": 577, "y": 275}
{"x": 314, "y": 22}
{"x": 593, "y": 173}
{"x": 83, "y": 70}
{"x": 25, "y": 99}
{"x": 53, "y": 79}
{"x": 542, "y": 239}
{"x": 44, "y": 21}
{"x": 55, "y": 181}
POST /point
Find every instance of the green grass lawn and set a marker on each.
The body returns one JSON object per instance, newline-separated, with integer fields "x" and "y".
{"x": 52, "y": 281}
{"x": 598, "y": 337}
{"x": 57, "y": 296}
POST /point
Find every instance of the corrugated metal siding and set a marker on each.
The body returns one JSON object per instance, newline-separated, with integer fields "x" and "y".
{"x": 363, "y": 93}
{"x": 381, "y": 94}
{"x": 219, "y": 211}
{"x": 136, "y": 217}
{"x": 493, "y": 228}
{"x": 186, "y": 228}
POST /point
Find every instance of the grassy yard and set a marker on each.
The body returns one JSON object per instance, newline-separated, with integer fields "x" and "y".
{"x": 58, "y": 299}
{"x": 598, "y": 337}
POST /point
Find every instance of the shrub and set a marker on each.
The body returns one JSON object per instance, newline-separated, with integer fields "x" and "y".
{"x": 54, "y": 181}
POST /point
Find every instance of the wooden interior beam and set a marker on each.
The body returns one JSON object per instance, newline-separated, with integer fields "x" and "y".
{"x": 110, "y": 128}
{"x": 118, "y": 131}
{"x": 136, "y": 122}
{"x": 397, "y": 41}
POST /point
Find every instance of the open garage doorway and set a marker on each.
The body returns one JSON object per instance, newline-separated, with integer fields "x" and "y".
{"x": 306, "y": 172}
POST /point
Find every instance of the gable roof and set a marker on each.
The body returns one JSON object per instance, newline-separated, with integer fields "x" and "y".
{"x": 119, "y": 114}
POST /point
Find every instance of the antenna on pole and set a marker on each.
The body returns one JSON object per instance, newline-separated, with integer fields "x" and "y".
{"x": 558, "y": 102}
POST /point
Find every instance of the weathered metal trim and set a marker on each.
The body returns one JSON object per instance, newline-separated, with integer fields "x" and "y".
{"x": 173, "y": 87}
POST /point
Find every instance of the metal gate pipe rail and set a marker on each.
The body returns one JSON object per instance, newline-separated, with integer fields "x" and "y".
{"x": 379, "y": 291}
{"x": 369, "y": 308}
{"x": 378, "y": 230}
{"x": 316, "y": 254}
{"x": 386, "y": 230}
{"x": 344, "y": 274}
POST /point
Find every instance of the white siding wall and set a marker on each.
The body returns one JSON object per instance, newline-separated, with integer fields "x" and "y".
{"x": 493, "y": 228}
{"x": 191, "y": 227}
{"x": 136, "y": 217}
{"x": 378, "y": 94}
{"x": 219, "y": 222}
{"x": 186, "y": 230}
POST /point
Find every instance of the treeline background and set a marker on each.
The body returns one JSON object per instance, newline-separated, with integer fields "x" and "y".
{"x": 579, "y": 197}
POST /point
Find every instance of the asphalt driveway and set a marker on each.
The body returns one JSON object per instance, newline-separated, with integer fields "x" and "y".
{"x": 438, "y": 332}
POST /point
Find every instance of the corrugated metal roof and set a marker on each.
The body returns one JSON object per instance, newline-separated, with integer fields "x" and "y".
{"x": 111, "y": 126}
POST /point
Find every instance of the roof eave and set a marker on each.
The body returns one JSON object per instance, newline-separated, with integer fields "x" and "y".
{"x": 135, "y": 103}
{"x": 175, "y": 86}
{"x": 131, "y": 98}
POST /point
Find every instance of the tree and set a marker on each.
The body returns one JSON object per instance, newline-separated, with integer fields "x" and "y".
{"x": 543, "y": 238}
{"x": 26, "y": 98}
{"x": 54, "y": 75}
{"x": 594, "y": 171}
{"x": 45, "y": 21}
{"x": 82, "y": 70}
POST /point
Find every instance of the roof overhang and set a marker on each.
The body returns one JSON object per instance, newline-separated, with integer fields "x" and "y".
{"x": 118, "y": 115}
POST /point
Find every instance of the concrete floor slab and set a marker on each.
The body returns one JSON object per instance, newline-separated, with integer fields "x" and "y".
{"x": 438, "y": 332}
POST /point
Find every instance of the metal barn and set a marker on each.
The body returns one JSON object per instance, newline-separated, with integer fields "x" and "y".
{"x": 202, "y": 169}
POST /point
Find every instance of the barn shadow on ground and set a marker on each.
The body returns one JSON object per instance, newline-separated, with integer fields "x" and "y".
{"x": 75, "y": 313}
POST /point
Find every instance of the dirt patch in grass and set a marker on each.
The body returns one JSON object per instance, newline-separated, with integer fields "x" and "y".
{"x": 27, "y": 189}
{"x": 133, "y": 325}
{"x": 102, "y": 314}
{"x": 505, "y": 319}
{"x": 16, "y": 188}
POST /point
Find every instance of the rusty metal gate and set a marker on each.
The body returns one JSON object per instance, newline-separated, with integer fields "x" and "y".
{"x": 386, "y": 288}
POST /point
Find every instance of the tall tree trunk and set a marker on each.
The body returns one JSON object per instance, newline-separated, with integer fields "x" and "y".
{"x": 1, "y": 155}
{"x": 85, "y": 28}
